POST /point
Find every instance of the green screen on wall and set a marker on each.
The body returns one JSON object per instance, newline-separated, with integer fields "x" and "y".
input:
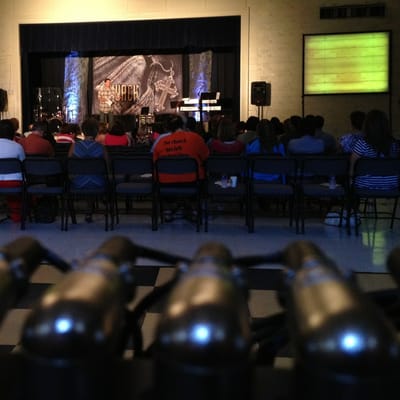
{"x": 346, "y": 63}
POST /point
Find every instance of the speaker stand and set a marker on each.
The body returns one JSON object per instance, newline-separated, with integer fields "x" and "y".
{"x": 260, "y": 112}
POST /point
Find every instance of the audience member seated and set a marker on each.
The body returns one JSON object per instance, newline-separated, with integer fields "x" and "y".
{"x": 117, "y": 136}
{"x": 65, "y": 135}
{"x": 291, "y": 130}
{"x": 103, "y": 130}
{"x": 88, "y": 148}
{"x": 266, "y": 142}
{"x": 180, "y": 142}
{"x": 250, "y": 131}
{"x": 54, "y": 126}
{"x": 307, "y": 143}
{"x": 36, "y": 144}
{"x": 277, "y": 126}
{"x": 329, "y": 140}
{"x": 226, "y": 142}
{"x": 11, "y": 149}
{"x": 240, "y": 127}
{"x": 348, "y": 140}
{"x": 211, "y": 127}
{"x": 191, "y": 124}
{"x": 377, "y": 142}
{"x": 17, "y": 135}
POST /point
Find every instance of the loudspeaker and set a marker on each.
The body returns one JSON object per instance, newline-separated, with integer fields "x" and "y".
{"x": 261, "y": 93}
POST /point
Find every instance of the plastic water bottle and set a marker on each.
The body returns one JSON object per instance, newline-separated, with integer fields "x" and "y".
{"x": 332, "y": 182}
{"x": 224, "y": 181}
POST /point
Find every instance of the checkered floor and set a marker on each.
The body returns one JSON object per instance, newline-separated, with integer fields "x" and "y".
{"x": 365, "y": 254}
{"x": 262, "y": 300}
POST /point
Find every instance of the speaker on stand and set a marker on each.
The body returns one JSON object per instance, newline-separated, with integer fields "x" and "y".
{"x": 260, "y": 96}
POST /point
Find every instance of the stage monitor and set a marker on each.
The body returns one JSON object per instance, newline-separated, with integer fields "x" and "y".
{"x": 346, "y": 63}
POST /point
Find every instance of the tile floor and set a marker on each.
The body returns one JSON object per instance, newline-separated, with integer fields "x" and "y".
{"x": 365, "y": 254}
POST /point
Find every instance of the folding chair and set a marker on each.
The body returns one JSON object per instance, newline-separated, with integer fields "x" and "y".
{"x": 45, "y": 177}
{"x": 133, "y": 178}
{"x": 220, "y": 171}
{"x": 84, "y": 168}
{"x": 376, "y": 169}
{"x": 315, "y": 183}
{"x": 281, "y": 187}
{"x": 174, "y": 167}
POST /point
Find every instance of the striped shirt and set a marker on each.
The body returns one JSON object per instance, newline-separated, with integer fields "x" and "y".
{"x": 363, "y": 149}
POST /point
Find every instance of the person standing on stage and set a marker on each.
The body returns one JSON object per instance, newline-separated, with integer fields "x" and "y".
{"x": 107, "y": 96}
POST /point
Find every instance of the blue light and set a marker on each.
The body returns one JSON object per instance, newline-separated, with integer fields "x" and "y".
{"x": 201, "y": 333}
{"x": 352, "y": 342}
{"x": 63, "y": 325}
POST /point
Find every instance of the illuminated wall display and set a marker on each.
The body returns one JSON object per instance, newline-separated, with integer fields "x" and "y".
{"x": 346, "y": 63}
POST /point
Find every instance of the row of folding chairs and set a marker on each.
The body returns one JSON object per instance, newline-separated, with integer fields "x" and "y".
{"x": 52, "y": 177}
{"x": 299, "y": 182}
{"x": 325, "y": 180}
{"x": 234, "y": 179}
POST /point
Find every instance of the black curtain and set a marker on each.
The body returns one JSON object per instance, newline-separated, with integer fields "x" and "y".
{"x": 44, "y": 47}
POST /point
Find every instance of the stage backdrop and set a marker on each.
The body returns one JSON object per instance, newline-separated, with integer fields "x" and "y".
{"x": 141, "y": 81}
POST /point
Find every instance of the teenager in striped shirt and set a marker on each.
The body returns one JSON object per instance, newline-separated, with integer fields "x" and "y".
{"x": 377, "y": 142}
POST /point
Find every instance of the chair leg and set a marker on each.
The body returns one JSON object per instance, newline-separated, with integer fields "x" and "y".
{"x": 355, "y": 204}
{"x": 301, "y": 215}
{"x": 116, "y": 209}
{"x": 154, "y": 214}
{"x": 198, "y": 216}
{"x": 205, "y": 215}
{"x": 62, "y": 212}
{"x": 24, "y": 210}
{"x": 393, "y": 213}
{"x": 250, "y": 217}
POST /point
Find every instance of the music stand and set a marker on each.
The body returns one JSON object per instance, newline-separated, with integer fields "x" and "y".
{"x": 207, "y": 98}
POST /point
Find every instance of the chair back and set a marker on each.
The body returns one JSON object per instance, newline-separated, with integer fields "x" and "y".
{"x": 226, "y": 165}
{"x": 325, "y": 166}
{"x": 132, "y": 165}
{"x": 87, "y": 166}
{"x": 281, "y": 166}
{"x": 11, "y": 166}
{"x": 377, "y": 166}
{"x": 61, "y": 150}
{"x": 43, "y": 166}
{"x": 176, "y": 166}
{"x": 119, "y": 151}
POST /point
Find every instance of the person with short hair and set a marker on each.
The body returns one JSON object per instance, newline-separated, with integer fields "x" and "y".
{"x": 329, "y": 140}
{"x": 250, "y": 130}
{"x": 307, "y": 143}
{"x": 35, "y": 143}
{"x": 348, "y": 140}
{"x": 88, "y": 148}
{"x": 107, "y": 96}
{"x": 180, "y": 142}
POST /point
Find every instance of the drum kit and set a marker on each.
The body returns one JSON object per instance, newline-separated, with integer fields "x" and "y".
{"x": 49, "y": 107}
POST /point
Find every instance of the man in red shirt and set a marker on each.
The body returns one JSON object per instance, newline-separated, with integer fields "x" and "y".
{"x": 180, "y": 142}
{"x": 35, "y": 143}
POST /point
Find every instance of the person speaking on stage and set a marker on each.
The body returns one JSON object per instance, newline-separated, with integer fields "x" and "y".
{"x": 107, "y": 96}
